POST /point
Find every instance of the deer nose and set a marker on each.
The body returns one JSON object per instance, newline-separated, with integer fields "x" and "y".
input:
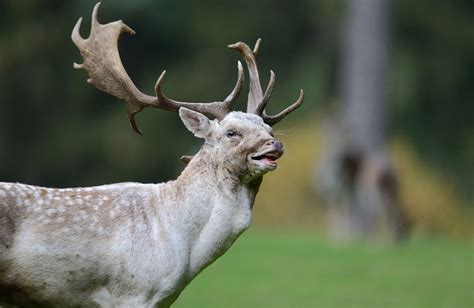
{"x": 277, "y": 144}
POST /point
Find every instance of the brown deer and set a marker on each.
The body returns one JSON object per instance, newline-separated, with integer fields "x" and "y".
{"x": 131, "y": 244}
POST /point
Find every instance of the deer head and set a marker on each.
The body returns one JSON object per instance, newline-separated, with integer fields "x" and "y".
{"x": 247, "y": 137}
{"x": 241, "y": 144}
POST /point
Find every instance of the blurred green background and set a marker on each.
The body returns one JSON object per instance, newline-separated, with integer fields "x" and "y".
{"x": 57, "y": 130}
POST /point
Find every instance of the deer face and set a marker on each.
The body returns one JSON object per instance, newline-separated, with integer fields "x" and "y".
{"x": 241, "y": 143}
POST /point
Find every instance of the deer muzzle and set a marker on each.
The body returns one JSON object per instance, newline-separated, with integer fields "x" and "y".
{"x": 269, "y": 153}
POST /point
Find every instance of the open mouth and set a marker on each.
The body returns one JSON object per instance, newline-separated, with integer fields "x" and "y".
{"x": 268, "y": 158}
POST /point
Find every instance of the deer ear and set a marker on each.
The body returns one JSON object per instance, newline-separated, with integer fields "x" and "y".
{"x": 195, "y": 122}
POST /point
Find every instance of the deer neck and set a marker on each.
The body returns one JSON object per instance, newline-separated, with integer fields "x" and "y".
{"x": 218, "y": 208}
{"x": 215, "y": 178}
{"x": 212, "y": 187}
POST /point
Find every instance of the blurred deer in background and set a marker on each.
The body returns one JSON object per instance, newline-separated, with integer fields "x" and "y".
{"x": 131, "y": 244}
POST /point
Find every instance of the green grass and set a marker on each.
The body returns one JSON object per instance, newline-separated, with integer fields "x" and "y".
{"x": 298, "y": 269}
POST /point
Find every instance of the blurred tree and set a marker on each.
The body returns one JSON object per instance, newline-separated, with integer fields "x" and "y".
{"x": 357, "y": 175}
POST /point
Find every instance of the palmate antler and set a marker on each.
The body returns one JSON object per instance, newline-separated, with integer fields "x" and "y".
{"x": 106, "y": 72}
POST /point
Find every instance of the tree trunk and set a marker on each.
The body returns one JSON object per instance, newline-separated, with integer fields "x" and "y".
{"x": 357, "y": 178}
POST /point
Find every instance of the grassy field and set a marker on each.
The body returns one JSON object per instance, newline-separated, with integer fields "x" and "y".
{"x": 298, "y": 269}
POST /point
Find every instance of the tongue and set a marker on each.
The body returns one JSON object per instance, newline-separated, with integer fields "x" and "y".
{"x": 268, "y": 159}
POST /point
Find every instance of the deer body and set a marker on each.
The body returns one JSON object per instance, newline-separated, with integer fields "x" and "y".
{"x": 96, "y": 250}
{"x": 131, "y": 244}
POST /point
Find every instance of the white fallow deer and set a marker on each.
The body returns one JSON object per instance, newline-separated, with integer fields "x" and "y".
{"x": 131, "y": 244}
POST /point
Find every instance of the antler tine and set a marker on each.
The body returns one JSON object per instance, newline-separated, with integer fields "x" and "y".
{"x": 272, "y": 120}
{"x": 106, "y": 72}
{"x": 256, "y": 48}
{"x": 76, "y": 36}
{"x": 257, "y": 101}
{"x": 268, "y": 93}
{"x": 232, "y": 97}
{"x": 94, "y": 21}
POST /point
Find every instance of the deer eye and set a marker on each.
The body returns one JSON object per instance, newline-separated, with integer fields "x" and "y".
{"x": 230, "y": 133}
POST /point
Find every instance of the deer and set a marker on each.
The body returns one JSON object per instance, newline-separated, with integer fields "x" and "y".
{"x": 133, "y": 244}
